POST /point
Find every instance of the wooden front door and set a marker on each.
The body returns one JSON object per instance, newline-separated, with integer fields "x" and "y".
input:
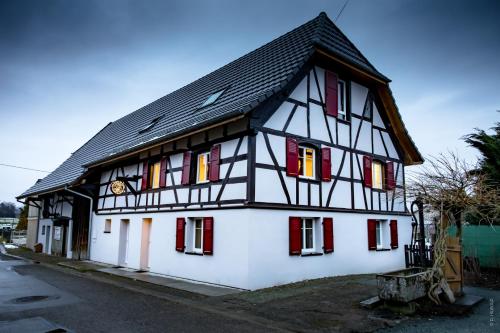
{"x": 80, "y": 232}
{"x": 453, "y": 265}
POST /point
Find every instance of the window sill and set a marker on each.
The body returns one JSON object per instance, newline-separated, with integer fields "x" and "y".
{"x": 194, "y": 253}
{"x": 383, "y": 249}
{"x": 311, "y": 254}
{"x": 308, "y": 180}
{"x": 344, "y": 121}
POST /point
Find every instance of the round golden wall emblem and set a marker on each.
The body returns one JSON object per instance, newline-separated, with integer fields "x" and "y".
{"x": 117, "y": 187}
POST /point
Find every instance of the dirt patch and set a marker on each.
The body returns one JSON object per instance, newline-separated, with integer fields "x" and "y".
{"x": 330, "y": 304}
{"x": 426, "y": 308}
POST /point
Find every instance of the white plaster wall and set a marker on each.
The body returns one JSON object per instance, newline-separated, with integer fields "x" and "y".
{"x": 270, "y": 264}
{"x": 251, "y": 247}
{"x": 227, "y": 266}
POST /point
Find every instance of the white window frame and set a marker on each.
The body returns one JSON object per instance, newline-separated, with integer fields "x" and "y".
{"x": 342, "y": 113}
{"x": 303, "y": 162}
{"x": 379, "y": 234}
{"x": 207, "y": 159}
{"x": 195, "y": 249}
{"x": 303, "y": 231}
{"x": 382, "y": 171}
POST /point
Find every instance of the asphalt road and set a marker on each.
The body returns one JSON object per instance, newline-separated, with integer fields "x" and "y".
{"x": 81, "y": 304}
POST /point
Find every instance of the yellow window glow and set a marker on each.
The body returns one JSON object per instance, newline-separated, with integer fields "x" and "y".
{"x": 377, "y": 175}
{"x": 155, "y": 177}
{"x": 309, "y": 162}
{"x": 202, "y": 167}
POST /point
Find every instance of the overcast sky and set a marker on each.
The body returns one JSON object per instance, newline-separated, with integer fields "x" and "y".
{"x": 67, "y": 68}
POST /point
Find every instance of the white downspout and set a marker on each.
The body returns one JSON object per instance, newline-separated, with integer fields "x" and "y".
{"x": 90, "y": 215}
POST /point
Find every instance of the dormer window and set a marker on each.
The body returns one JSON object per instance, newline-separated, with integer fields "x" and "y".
{"x": 212, "y": 98}
{"x": 150, "y": 125}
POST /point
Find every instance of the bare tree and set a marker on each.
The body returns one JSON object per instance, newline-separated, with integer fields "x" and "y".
{"x": 450, "y": 186}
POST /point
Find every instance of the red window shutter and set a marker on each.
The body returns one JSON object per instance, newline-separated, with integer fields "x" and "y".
{"x": 394, "y": 234}
{"x": 208, "y": 235}
{"x": 367, "y": 170}
{"x": 372, "y": 234}
{"x": 179, "y": 235}
{"x": 389, "y": 176}
{"x": 328, "y": 235}
{"x": 331, "y": 91}
{"x": 326, "y": 164}
{"x": 295, "y": 236}
{"x": 213, "y": 175}
{"x": 145, "y": 170}
{"x": 163, "y": 172}
{"x": 292, "y": 157}
{"x": 186, "y": 168}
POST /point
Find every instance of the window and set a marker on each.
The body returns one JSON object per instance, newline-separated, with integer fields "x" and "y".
{"x": 212, "y": 98}
{"x": 154, "y": 175}
{"x": 107, "y": 226}
{"x": 150, "y": 125}
{"x": 43, "y": 230}
{"x": 367, "y": 112}
{"x": 202, "y": 168}
{"x": 306, "y": 162}
{"x": 378, "y": 233}
{"x": 308, "y": 237}
{"x": 342, "y": 108}
{"x": 377, "y": 175}
{"x": 198, "y": 235}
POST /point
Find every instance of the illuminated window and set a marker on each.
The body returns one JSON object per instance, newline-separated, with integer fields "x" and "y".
{"x": 342, "y": 109}
{"x": 154, "y": 175}
{"x": 306, "y": 162}
{"x": 202, "y": 168}
{"x": 377, "y": 175}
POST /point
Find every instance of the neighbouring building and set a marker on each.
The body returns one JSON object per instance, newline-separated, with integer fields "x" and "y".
{"x": 283, "y": 165}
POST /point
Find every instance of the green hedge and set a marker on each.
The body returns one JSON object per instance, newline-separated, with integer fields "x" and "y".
{"x": 483, "y": 242}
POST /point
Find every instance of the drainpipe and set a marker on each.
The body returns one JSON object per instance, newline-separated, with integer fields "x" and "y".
{"x": 90, "y": 214}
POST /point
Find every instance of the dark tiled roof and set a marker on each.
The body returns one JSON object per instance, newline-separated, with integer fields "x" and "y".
{"x": 249, "y": 80}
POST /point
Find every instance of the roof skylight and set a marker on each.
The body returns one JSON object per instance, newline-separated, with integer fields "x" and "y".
{"x": 212, "y": 98}
{"x": 150, "y": 125}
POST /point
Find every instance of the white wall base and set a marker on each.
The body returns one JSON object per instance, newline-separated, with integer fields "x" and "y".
{"x": 250, "y": 247}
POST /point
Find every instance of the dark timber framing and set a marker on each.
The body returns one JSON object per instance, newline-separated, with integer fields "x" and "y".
{"x": 150, "y": 200}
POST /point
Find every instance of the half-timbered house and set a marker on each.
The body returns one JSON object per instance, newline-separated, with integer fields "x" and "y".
{"x": 286, "y": 164}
